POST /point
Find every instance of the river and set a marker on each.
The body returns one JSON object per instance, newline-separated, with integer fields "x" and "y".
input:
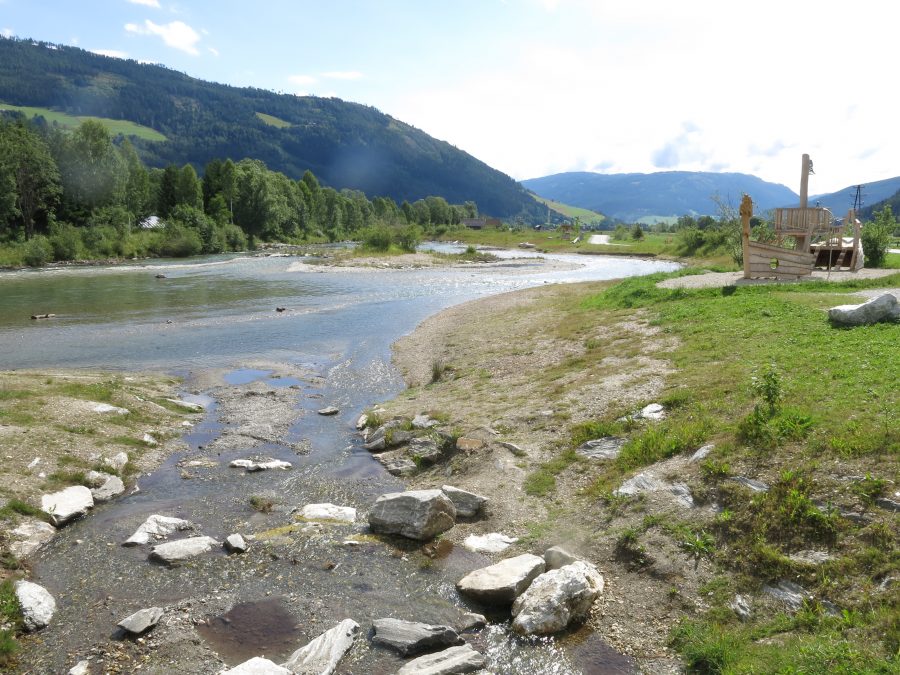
{"x": 219, "y": 314}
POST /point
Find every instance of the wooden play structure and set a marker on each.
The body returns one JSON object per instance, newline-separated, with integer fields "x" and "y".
{"x": 805, "y": 238}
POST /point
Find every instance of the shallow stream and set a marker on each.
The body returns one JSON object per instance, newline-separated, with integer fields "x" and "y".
{"x": 214, "y": 321}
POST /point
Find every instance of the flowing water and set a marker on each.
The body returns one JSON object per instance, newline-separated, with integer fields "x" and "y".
{"x": 335, "y": 331}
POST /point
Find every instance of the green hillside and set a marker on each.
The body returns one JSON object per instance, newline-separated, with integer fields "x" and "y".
{"x": 115, "y": 127}
{"x": 346, "y": 145}
{"x": 586, "y": 216}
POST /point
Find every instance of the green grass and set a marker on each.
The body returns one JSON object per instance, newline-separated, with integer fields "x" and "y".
{"x": 115, "y": 127}
{"x": 273, "y": 121}
{"x": 788, "y": 397}
{"x": 11, "y": 617}
{"x": 587, "y": 216}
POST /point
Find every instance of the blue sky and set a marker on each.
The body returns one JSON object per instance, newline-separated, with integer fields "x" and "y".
{"x": 534, "y": 87}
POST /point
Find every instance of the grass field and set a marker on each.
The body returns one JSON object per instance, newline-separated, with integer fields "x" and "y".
{"x": 115, "y": 127}
{"x": 273, "y": 121}
{"x": 587, "y": 216}
{"x": 813, "y": 408}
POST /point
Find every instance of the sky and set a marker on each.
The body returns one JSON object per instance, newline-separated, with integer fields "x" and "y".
{"x": 537, "y": 87}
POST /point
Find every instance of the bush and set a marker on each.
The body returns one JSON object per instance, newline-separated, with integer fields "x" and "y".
{"x": 178, "y": 242}
{"x": 637, "y": 232}
{"x": 103, "y": 240}
{"x": 37, "y": 251}
{"x": 408, "y": 237}
{"x": 876, "y": 237}
{"x": 65, "y": 241}
{"x": 377, "y": 238}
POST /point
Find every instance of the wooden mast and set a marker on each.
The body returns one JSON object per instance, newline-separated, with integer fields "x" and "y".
{"x": 746, "y": 213}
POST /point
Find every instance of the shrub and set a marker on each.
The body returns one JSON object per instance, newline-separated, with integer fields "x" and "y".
{"x": 65, "y": 241}
{"x": 179, "y": 242}
{"x": 37, "y": 251}
{"x": 408, "y": 237}
{"x": 876, "y": 237}
{"x": 377, "y": 238}
{"x": 637, "y": 232}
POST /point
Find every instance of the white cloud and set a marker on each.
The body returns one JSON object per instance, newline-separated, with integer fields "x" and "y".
{"x": 7, "y": 32}
{"x": 175, "y": 34}
{"x": 114, "y": 53}
{"x": 146, "y": 3}
{"x": 302, "y": 80}
{"x": 213, "y": 51}
{"x": 342, "y": 75}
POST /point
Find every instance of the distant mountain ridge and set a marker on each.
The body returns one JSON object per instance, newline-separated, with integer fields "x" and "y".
{"x": 631, "y": 196}
{"x": 874, "y": 194}
{"x": 346, "y": 145}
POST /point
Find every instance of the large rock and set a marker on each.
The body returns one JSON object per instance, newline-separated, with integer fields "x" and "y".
{"x": 882, "y": 308}
{"x": 411, "y": 637}
{"x": 792, "y": 595}
{"x": 417, "y": 514}
{"x": 328, "y": 513}
{"x": 141, "y": 620}
{"x": 36, "y": 603}
{"x": 462, "y": 659}
{"x": 322, "y": 655}
{"x": 388, "y": 435}
{"x": 467, "y": 504}
{"x": 117, "y": 461}
{"x": 503, "y": 582}
{"x": 556, "y": 598}
{"x": 398, "y": 466}
{"x": 424, "y": 421}
{"x": 257, "y": 666}
{"x": 104, "y": 486}
{"x": 607, "y": 447}
{"x": 67, "y": 504}
{"x": 425, "y": 451}
{"x": 175, "y": 552}
{"x": 156, "y": 527}
{"x": 647, "y": 481}
{"x": 29, "y": 536}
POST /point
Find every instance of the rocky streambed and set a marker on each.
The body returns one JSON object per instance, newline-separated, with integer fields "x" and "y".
{"x": 265, "y": 538}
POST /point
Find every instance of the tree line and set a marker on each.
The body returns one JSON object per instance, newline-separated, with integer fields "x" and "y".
{"x": 66, "y": 195}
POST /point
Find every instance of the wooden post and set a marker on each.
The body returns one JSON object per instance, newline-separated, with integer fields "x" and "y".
{"x": 804, "y": 182}
{"x": 746, "y": 213}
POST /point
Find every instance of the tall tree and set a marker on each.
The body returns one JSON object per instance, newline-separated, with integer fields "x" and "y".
{"x": 91, "y": 169}
{"x": 27, "y": 167}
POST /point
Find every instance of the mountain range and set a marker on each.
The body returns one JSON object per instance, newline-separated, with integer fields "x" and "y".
{"x": 631, "y": 197}
{"x": 346, "y": 145}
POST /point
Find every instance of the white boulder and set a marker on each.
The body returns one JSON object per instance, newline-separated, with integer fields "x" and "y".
{"x": 322, "y": 655}
{"x": 503, "y": 582}
{"x": 556, "y": 598}
{"x": 493, "y": 542}
{"x": 462, "y": 659}
{"x": 175, "y": 552}
{"x": 257, "y": 666}
{"x": 67, "y": 504}
{"x": 328, "y": 513}
{"x": 157, "y": 527}
{"x": 883, "y": 308}
{"x": 36, "y": 603}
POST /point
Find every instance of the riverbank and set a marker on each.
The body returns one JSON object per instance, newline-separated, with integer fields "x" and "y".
{"x": 691, "y": 527}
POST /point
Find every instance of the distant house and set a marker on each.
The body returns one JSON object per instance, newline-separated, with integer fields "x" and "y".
{"x": 151, "y": 223}
{"x": 480, "y": 223}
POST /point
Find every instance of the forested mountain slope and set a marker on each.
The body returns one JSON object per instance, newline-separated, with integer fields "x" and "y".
{"x": 344, "y": 144}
